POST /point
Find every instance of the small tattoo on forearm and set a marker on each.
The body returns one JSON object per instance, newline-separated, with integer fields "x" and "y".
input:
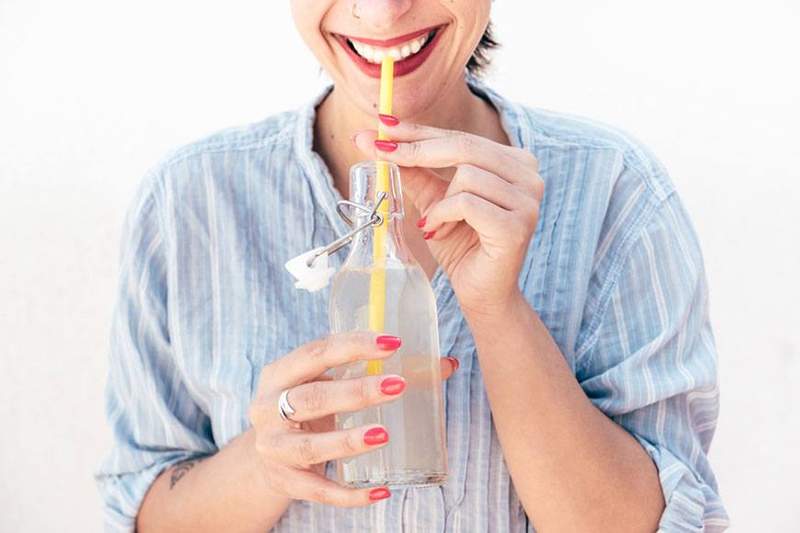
{"x": 179, "y": 470}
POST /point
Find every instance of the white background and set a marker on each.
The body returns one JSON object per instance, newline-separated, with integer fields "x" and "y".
{"x": 94, "y": 92}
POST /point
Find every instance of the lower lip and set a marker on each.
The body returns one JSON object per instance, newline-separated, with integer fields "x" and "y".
{"x": 401, "y": 68}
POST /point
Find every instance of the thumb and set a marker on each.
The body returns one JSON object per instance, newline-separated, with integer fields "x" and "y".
{"x": 423, "y": 187}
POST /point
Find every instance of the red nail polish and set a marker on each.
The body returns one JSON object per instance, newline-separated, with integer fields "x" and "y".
{"x": 388, "y": 342}
{"x": 421, "y": 222}
{"x": 428, "y": 235}
{"x": 454, "y": 362}
{"x": 386, "y": 146}
{"x": 376, "y": 436}
{"x": 389, "y": 120}
{"x": 379, "y": 494}
{"x": 393, "y": 386}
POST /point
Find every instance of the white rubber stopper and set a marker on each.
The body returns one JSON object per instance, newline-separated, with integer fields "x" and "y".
{"x": 313, "y": 278}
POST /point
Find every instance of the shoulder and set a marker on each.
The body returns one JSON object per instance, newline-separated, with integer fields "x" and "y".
{"x": 568, "y": 133}
{"x": 223, "y": 156}
{"x": 618, "y": 181}
{"x": 273, "y": 135}
{"x": 611, "y": 200}
{"x": 213, "y": 172}
{"x": 274, "y": 131}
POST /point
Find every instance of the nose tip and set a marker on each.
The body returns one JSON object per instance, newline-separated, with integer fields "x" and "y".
{"x": 380, "y": 14}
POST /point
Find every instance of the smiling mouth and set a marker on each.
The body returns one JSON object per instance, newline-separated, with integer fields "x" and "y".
{"x": 408, "y": 51}
{"x": 404, "y": 50}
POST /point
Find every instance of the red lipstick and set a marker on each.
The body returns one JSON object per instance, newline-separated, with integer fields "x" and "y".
{"x": 386, "y": 43}
{"x": 402, "y": 67}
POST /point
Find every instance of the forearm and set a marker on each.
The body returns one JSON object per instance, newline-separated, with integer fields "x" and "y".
{"x": 573, "y": 468}
{"x": 224, "y": 492}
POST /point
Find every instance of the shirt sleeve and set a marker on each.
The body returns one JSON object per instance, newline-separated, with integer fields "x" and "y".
{"x": 651, "y": 366}
{"x": 155, "y": 423}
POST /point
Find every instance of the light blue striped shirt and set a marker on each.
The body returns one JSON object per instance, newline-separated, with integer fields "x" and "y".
{"x": 614, "y": 271}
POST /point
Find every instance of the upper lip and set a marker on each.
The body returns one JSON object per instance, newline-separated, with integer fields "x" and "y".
{"x": 386, "y": 43}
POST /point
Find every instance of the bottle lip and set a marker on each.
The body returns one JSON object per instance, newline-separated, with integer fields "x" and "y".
{"x": 372, "y": 164}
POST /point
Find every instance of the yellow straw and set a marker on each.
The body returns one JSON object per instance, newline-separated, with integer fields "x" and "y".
{"x": 377, "y": 281}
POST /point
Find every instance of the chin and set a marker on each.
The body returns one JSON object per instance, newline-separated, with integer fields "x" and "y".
{"x": 408, "y": 104}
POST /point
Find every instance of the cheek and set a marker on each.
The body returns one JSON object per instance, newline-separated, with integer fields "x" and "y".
{"x": 473, "y": 16}
{"x": 471, "y": 8}
{"x": 308, "y": 16}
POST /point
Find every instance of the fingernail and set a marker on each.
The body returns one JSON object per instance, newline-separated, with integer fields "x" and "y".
{"x": 376, "y": 436}
{"x": 454, "y": 363}
{"x": 379, "y": 494}
{"x": 428, "y": 235}
{"x": 421, "y": 222}
{"x": 393, "y": 386}
{"x": 388, "y": 342}
{"x": 389, "y": 120}
{"x": 385, "y": 146}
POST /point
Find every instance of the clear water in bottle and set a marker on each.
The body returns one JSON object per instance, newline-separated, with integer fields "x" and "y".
{"x": 416, "y": 453}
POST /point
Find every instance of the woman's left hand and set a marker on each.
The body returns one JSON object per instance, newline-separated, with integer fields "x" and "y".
{"x": 479, "y": 225}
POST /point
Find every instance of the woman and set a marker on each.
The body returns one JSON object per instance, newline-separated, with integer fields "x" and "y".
{"x": 586, "y": 396}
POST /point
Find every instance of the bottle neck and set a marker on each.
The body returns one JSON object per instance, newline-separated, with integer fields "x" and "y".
{"x": 379, "y": 243}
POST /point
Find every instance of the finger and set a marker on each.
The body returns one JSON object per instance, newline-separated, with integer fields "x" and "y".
{"x": 475, "y": 180}
{"x": 488, "y": 219}
{"x": 449, "y": 151}
{"x": 423, "y": 187}
{"x": 489, "y": 186}
{"x": 322, "y": 398}
{"x": 310, "y": 360}
{"x": 305, "y": 485}
{"x": 449, "y": 366}
{"x": 303, "y": 449}
{"x": 411, "y": 131}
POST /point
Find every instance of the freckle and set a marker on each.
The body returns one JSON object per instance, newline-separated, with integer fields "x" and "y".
{"x": 374, "y": 106}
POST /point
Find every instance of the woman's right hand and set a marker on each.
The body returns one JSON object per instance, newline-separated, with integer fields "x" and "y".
{"x": 293, "y": 454}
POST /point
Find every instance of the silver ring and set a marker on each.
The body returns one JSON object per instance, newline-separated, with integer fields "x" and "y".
{"x": 285, "y": 409}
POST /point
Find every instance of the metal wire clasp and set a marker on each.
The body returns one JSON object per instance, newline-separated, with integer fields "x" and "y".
{"x": 375, "y": 219}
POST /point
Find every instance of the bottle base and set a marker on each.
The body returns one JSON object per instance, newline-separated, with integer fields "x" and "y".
{"x": 402, "y": 480}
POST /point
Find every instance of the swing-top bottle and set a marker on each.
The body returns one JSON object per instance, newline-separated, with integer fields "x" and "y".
{"x": 382, "y": 288}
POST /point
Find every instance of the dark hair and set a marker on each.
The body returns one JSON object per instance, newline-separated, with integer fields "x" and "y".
{"x": 479, "y": 61}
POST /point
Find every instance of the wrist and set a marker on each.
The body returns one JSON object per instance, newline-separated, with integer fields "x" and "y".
{"x": 497, "y": 311}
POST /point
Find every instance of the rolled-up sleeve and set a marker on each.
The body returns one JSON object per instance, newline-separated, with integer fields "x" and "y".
{"x": 154, "y": 421}
{"x": 650, "y": 364}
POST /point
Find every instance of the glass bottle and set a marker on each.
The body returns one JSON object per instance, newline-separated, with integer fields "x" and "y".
{"x": 379, "y": 260}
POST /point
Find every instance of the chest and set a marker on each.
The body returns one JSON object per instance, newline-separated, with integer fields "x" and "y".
{"x": 233, "y": 308}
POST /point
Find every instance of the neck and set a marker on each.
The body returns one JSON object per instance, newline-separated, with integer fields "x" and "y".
{"x": 338, "y": 119}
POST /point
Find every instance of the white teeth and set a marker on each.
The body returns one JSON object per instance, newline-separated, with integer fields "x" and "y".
{"x": 361, "y": 49}
{"x": 373, "y": 54}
